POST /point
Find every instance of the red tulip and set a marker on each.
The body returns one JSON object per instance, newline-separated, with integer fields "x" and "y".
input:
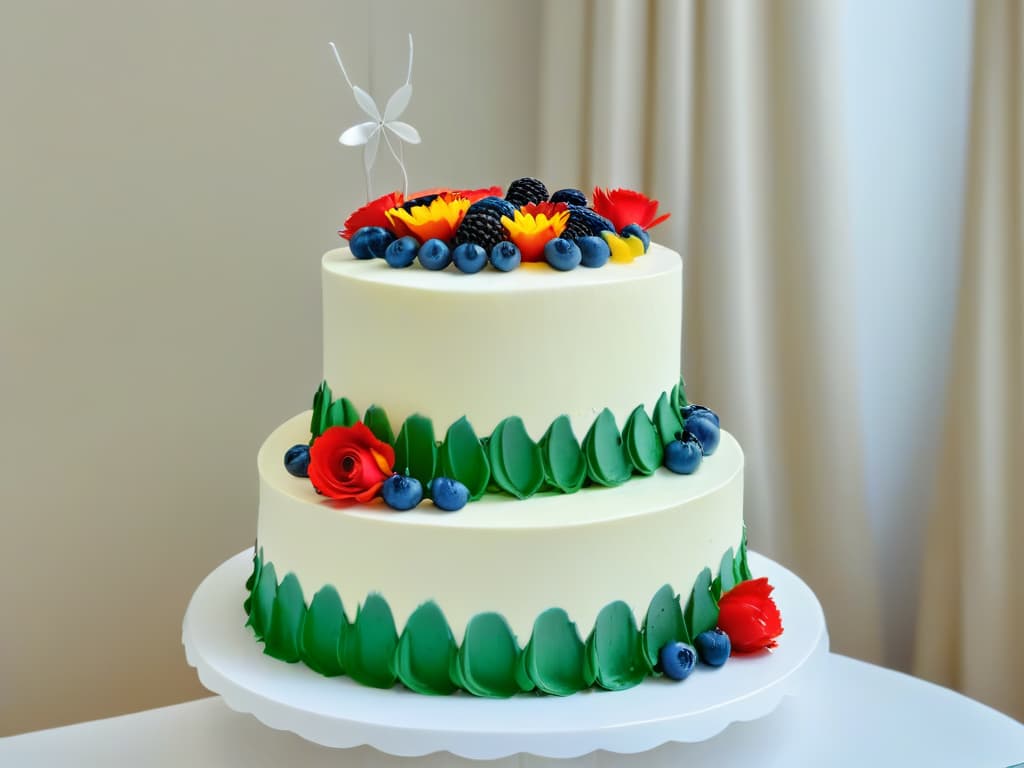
{"x": 749, "y": 616}
{"x": 623, "y": 207}
{"x": 371, "y": 215}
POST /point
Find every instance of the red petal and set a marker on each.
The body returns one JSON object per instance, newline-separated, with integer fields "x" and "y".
{"x": 371, "y": 215}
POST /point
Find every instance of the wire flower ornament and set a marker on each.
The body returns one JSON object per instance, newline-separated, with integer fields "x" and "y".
{"x": 368, "y": 134}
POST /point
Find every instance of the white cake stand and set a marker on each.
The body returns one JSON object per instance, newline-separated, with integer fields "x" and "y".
{"x": 338, "y": 712}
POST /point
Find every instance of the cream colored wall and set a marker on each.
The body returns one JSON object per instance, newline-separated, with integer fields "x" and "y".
{"x": 171, "y": 176}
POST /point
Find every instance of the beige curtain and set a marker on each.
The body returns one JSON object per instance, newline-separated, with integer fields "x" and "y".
{"x": 972, "y": 609}
{"x": 727, "y": 112}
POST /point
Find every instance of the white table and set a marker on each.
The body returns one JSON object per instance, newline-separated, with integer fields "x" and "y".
{"x": 855, "y": 714}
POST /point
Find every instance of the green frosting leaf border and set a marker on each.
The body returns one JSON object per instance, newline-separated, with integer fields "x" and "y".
{"x": 425, "y": 658}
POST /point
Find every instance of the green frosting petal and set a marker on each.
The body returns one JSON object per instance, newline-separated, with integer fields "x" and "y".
{"x": 743, "y": 573}
{"x": 615, "y": 649}
{"x": 250, "y": 584}
{"x": 425, "y": 652}
{"x": 701, "y": 612}
{"x": 376, "y": 419}
{"x": 464, "y": 458}
{"x": 369, "y": 649}
{"x": 322, "y": 632}
{"x": 724, "y": 581}
{"x": 678, "y": 398}
{"x": 416, "y": 451}
{"x": 565, "y": 468}
{"x": 666, "y": 419}
{"x": 287, "y": 615}
{"x": 489, "y": 657}
{"x": 263, "y": 601}
{"x": 554, "y": 655}
{"x": 321, "y": 404}
{"x": 663, "y": 624}
{"x": 515, "y": 459}
{"x": 342, "y": 413}
{"x": 523, "y": 679}
{"x": 642, "y": 443}
{"x": 602, "y": 448}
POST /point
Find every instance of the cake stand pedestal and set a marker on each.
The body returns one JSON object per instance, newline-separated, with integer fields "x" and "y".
{"x": 338, "y": 712}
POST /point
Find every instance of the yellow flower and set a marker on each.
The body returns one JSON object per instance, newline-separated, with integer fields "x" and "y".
{"x": 533, "y": 225}
{"x": 440, "y": 219}
{"x": 624, "y": 249}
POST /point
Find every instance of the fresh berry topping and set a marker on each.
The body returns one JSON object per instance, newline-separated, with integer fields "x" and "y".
{"x": 481, "y": 226}
{"x": 570, "y": 196}
{"x": 698, "y": 410}
{"x": 683, "y": 456}
{"x": 449, "y": 495}
{"x": 705, "y": 430}
{"x": 677, "y": 660}
{"x": 713, "y": 647}
{"x": 505, "y": 256}
{"x": 525, "y": 191}
{"x": 562, "y": 254}
{"x": 435, "y": 254}
{"x": 636, "y": 229}
{"x": 421, "y": 200}
{"x": 402, "y": 252}
{"x": 594, "y": 222}
{"x": 594, "y": 251}
{"x": 296, "y": 460}
{"x": 402, "y": 492}
{"x": 469, "y": 258}
{"x": 496, "y": 205}
{"x": 370, "y": 243}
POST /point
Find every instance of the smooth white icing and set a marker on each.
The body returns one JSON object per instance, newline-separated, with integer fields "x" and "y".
{"x": 578, "y": 552}
{"x": 534, "y": 343}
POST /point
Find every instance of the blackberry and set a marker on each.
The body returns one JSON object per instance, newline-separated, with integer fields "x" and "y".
{"x": 570, "y": 197}
{"x": 526, "y": 190}
{"x": 583, "y": 216}
{"x": 423, "y": 200}
{"x": 496, "y": 205}
{"x": 481, "y": 226}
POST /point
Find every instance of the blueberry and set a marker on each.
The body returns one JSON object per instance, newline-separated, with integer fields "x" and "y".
{"x": 370, "y": 243}
{"x": 636, "y": 229}
{"x": 705, "y": 430}
{"x": 469, "y": 257}
{"x": 692, "y": 410}
{"x": 677, "y": 660}
{"x": 562, "y": 254}
{"x": 449, "y": 495}
{"x": 594, "y": 250}
{"x": 570, "y": 197}
{"x": 401, "y": 252}
{"x": 435, "y": 254}
{"x": 296, "y": 460}
{"x": 683, "y": 456}
{"x": 713, "y": 647}
{"x": 402, "y": 492}
{"x": 506, "y": 256}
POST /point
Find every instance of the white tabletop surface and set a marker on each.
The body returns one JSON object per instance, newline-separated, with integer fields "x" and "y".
{"x": 855, "y": 714}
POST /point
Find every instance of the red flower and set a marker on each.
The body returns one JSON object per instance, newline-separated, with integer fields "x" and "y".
{"x": 749, "y": 616}
{"x": 371, "y": 214}
{"x": 478, "y": 194}
{"x": 350, "y": 463}
{"x": 624, "y": 207}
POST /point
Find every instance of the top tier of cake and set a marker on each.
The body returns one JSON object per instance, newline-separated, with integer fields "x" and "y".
{"x": 534, "y": 343}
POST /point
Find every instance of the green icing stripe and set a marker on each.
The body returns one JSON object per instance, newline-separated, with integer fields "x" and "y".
{"x": 565, "y": 468}
{"x": 701, "y": 612}
{"x": 321, "y": 403}
{"x": 614, "y": 648}
{"x": 641, "y": 442}
{"x": 342, "y": 413}
{"x": 725, "y": 580}
{"x": 464, "y": 458}
{"x": 602, "y": 447}
{"x": 263, "y": 600}
{"x": 666, "y": 419}
{"x": 515, "y": 459}
{"x": 323, "y": 630}
{"x": 415, "y": 450}
{"x": 426, "y": 652}
{"x": 554, "y": 655}
{"x": 287, "y": 615}
{"x": 489, "y": 657}
{"x": 368, "y": 653}
{"x": 376, "y": 420}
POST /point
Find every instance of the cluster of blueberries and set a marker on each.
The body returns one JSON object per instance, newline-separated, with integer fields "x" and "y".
{"x": 699, "y": 438}
{"x": 678, "y": 659}
{"x": 561, "y": 253}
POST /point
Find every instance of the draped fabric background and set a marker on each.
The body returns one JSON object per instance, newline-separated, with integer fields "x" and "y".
{"x": 724, "y": 120}
{"x": 972, "y": 611}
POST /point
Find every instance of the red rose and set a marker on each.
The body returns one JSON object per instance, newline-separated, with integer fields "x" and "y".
{"x": 749, "y": 616}
{"x": 350, "y": 463}
{"x": 371, "y": 215}
{"x": 623, "y": 207}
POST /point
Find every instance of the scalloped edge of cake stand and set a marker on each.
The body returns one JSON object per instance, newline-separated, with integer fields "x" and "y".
{"x": 337, "y": 712}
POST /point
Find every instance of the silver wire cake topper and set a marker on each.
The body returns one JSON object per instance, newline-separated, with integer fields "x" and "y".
{"x": 368, "y": 134}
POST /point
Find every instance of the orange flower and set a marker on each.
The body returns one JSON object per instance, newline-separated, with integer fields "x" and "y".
{"x": 623, "y": 207}
{"x": 373, "y": 214}
{"x": 534, "y": 225}
{"x": 440, "y": 219}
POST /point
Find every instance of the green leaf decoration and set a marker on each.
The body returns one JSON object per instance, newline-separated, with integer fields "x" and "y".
{"x": 678, "y": 397}
{"x": 342, "y": 413}
{"x": 614, "y": 648}
{"x": 464, "y": 458}
{"x": 666, "y": 420}
{"x": 287, "y": 615}
{"x": 515, "y": 459}
{"x": 368, "y": 655}
{"x": 641, "y": 442}
{"x": 523, "y": 679}
{"x": 602, "y": 447}
{"x": 321, "y": 404}
{"x": 416, "y": 451}
{"x": 725, "y": 580}
{"x": 489, "y": 657}
{"x": 555, "y": 653}
{"x": 377, "y": 421}
{"x": 426, "y": 651}
{"x": 323, "y": 632}
{"x": 701, "y": 612}
{"x": 250, "y": 583}
{"x": 565, "y": 468}
{"x": 663, "y": 624}
{"x": 263, "y": 601}
{"x": 741, "y": 568}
